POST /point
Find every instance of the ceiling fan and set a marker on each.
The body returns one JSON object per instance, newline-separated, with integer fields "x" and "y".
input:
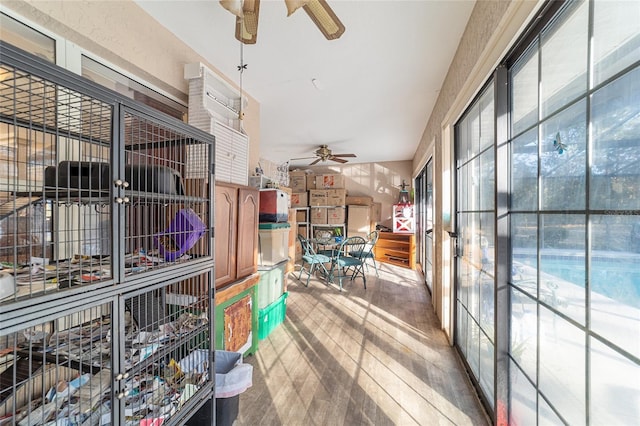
{"x": 324, "y": 153}
{"x": 247, "y": 12}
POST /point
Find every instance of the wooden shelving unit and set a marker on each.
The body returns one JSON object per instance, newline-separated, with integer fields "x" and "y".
{"x": 396, "y": 249}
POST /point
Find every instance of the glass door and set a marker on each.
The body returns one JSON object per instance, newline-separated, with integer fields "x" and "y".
{"x": 424, "y": 214}
{"x": 475, "y": 229}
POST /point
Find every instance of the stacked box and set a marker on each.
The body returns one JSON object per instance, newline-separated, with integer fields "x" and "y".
{"x": 311, "y": 182}
{"x": 335, "y": 216}
{"x": 330, "y": 181}
{"x": 318, "y": 215}
{"x": 298, "y": 181}
{"x": 359, "y": 201}
{"x": 293, "y": 241}
{"x": 300, "y": 199}
{"x": 301, "y": 216}
{"x": 376, "y": 212}
{"x": 318, "y": 197}
{"x": 336, "y": 197}
{"x": 359, "y": 221}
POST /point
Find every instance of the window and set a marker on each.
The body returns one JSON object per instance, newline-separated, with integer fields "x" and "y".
{"x": 26, "y": 38}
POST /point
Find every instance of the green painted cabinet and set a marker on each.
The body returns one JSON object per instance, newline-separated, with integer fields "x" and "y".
{"x": 236, "y": 317}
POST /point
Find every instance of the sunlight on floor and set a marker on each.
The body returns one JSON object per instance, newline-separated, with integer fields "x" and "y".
{"x": 358, "y": 357}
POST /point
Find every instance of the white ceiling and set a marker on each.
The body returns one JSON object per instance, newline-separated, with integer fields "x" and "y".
{"x": 379, "y": 81}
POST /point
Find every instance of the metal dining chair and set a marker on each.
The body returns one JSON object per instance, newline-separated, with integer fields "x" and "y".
{"x": 312, "y": 259}
{"x": 368, "y": 253}
{"x": 343, "y": 263}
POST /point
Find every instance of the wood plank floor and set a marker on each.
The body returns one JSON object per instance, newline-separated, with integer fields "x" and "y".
{"x": 360, "y": 357}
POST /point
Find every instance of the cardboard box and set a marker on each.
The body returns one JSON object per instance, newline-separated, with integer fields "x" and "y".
{"x": 318, "y": 197}
{"x": 336, "y": 197}
{"x": 332, "y": 181}
{"x": 293, "y": 242}
{"x": 298, "y": 181}
{"x": 335, "y": 215}
{"x": 318, "y": 215}
{"x": 359, "y": 201}
{"x": 358, "y": 220}
{"x": 302, "y": 230}
{"x": 311, "y": 182}
{"x": 301, "y": 216}
{"x": 376, "y": 212}
{"x": 300, "y": 199}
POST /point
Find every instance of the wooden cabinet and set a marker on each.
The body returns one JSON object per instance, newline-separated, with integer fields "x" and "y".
{"x": 236, "y": 222}
{"x": 396, "y": 249}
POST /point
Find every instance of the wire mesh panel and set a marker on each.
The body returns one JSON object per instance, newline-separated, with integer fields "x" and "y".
{"x": 167, "y": 214}
{"x": 167, "y": 354}
{"x": 96, "y": 193}
{"x": 55, "y": 229}
{"x": 58, "y": 372}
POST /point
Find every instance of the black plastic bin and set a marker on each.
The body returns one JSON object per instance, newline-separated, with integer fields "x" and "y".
{"x": 227, "y": 410}
{"x": 232, "y": 378}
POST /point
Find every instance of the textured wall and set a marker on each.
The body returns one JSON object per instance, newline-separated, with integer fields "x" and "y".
{"x": 493, "y": 26}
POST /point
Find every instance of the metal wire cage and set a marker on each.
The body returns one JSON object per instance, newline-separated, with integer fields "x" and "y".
{"x": 77, "y": 171}
{"x": 106, "y": 254}
{"x": 76, "y": 368}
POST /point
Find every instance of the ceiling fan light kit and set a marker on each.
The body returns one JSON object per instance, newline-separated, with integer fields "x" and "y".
{"x": 247, "y": 11}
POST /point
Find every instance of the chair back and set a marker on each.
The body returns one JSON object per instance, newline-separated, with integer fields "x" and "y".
{"x": 354, "y": 246}
{"x": 372, "y": 237}
{"x": 307, "y": 248}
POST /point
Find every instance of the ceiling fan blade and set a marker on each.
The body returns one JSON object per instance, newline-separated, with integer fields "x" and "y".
{"x": 345, "y": 155}
{"x": 315, "y": 162}
{"x": 324, "y": 18}
{"x": 247, "y": 25}
{"x": 302, "y": 158}
{"x": 338, "y": 160}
